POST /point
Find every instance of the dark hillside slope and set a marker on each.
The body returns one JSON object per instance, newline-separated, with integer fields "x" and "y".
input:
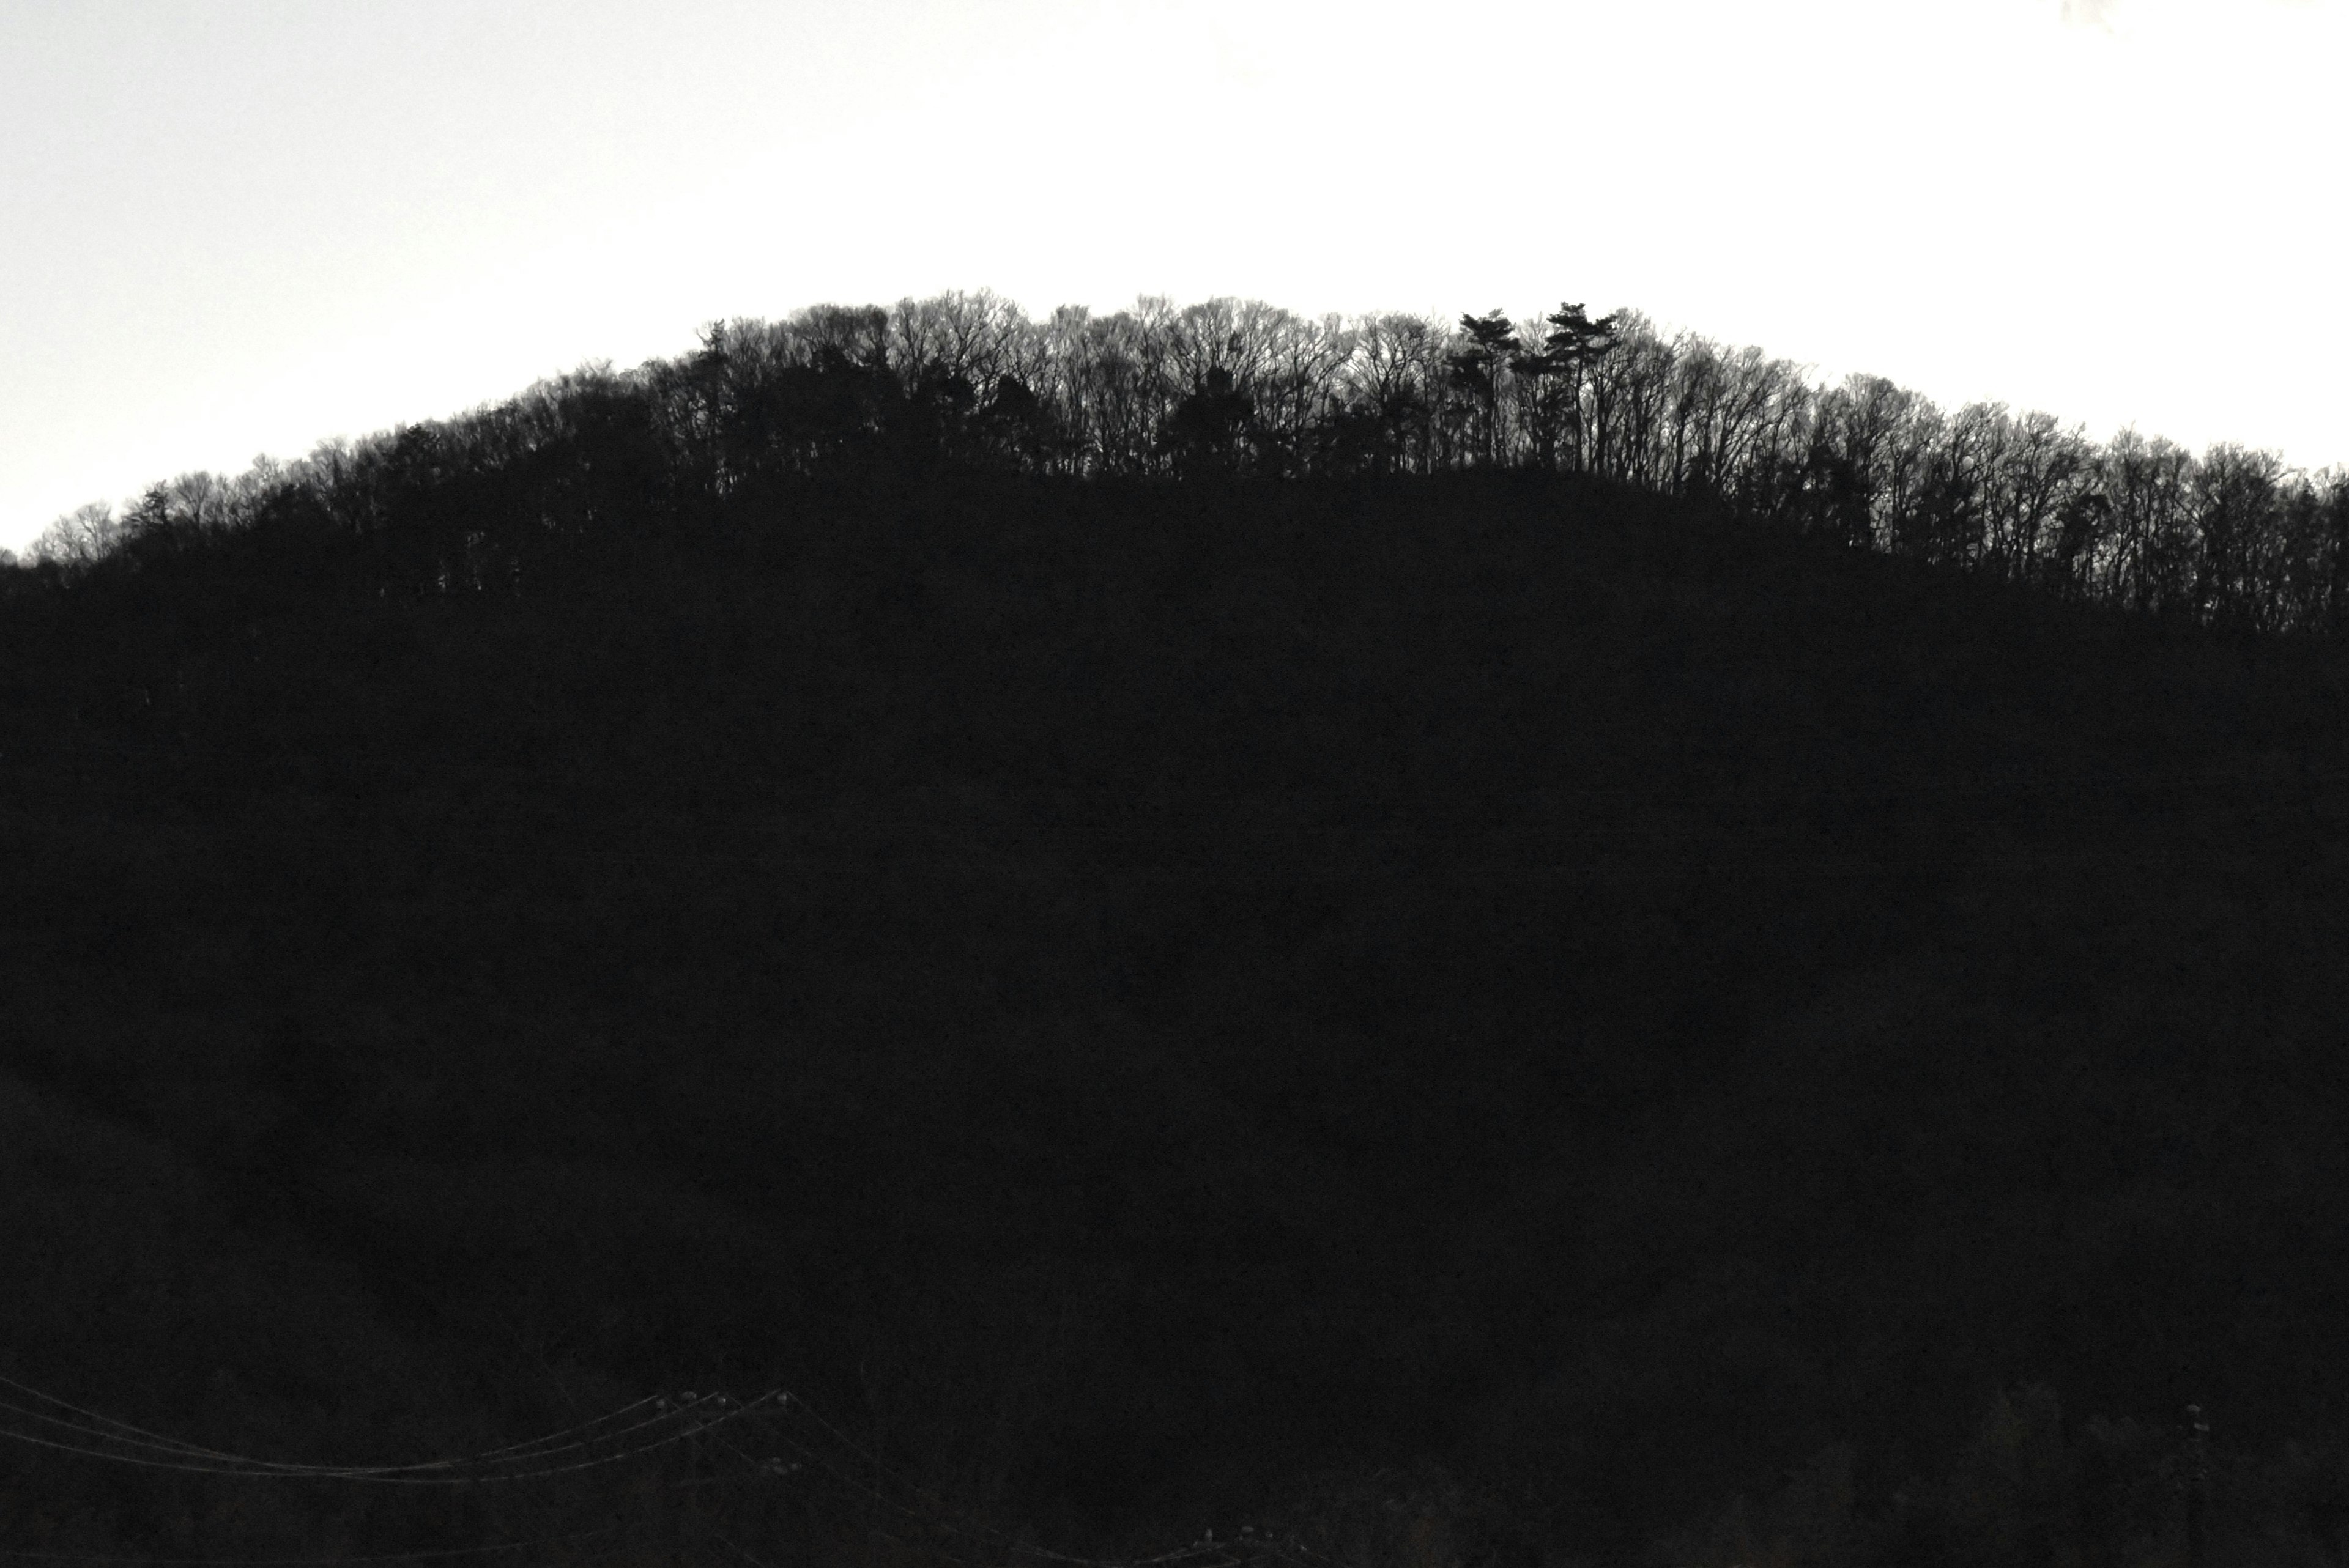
{"x": 1135, "y": 996}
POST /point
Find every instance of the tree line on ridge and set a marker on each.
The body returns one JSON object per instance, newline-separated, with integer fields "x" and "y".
{"x": 1234, "y": 387}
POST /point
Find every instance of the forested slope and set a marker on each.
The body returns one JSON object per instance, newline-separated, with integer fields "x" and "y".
{"x": 1148, "y": 1003}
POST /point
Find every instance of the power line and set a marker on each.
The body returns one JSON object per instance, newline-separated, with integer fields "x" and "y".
{"x": 515, "y": 1463}
{"x": 140, "y": 1436}
{"x": 1249, "y": 1549}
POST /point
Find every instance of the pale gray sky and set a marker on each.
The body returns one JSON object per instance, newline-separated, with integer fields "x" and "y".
{"x": 229, "y": 227}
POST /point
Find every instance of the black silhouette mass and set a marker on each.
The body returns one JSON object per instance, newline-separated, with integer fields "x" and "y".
{"x": 1468, "y": 943}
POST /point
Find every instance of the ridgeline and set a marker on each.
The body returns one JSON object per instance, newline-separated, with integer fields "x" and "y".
{"x": 1478, "y": 1016}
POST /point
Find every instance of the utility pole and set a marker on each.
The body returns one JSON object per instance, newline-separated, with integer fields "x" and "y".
{"x": 2197, "y": 1485}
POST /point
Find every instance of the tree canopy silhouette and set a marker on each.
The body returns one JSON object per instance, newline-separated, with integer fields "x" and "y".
{"x": 1227, "y": 387}
{"x": 1194, "y": 912}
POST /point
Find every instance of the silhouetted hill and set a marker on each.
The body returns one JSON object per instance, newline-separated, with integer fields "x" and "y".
{"x": 1148, "y": 1005}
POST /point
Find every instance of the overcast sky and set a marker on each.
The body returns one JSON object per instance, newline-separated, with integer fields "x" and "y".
{"x": 231, "y": 227}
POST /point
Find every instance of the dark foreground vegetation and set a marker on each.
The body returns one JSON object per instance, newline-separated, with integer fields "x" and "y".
{"x": 1478, "y": 1016}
